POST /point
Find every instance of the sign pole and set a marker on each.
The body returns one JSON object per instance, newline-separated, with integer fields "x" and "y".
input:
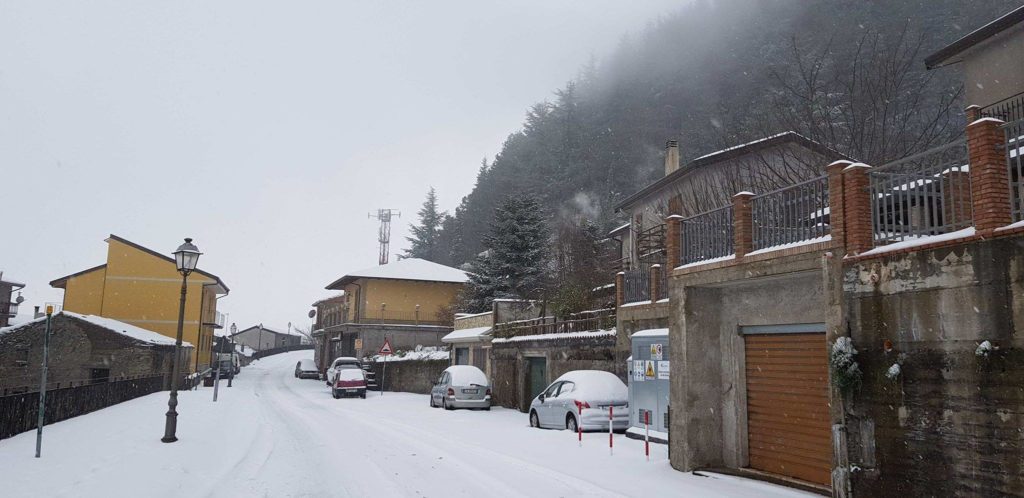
{"x": 385, "y": 351}
{"x": 42, "y": 384}
{"x": 383, "y": 375}
{"x": 610, "y": 438}
{"x": 647, "y": 434}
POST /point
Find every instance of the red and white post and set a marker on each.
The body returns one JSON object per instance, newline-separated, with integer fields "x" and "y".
{"x": 647, "y": 434}
{"x": 611, "y": 442}
{"x": 579, "y": 422}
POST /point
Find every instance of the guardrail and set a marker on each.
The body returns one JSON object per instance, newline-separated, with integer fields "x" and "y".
{"x": 707, "y": 235}
{"x": 925, "y": 194}
{"x": 791, "y": 214}
{"x": 1014, "y": 147}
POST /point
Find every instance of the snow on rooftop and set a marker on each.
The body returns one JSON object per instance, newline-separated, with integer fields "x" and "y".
{"x": 465, "y": 335}
{"x": 559, "y": 335}
{"x": 413, "y": 269}
{"x": 734, "y": 147}
{"x": 125, "y": 329}
{"x": 424, "y": 354}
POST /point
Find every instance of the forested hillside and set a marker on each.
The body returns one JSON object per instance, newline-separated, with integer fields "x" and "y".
{"x": 848, "y": 73}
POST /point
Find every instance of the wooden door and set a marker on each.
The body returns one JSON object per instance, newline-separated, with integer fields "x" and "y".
{"x": 787, "y": 405}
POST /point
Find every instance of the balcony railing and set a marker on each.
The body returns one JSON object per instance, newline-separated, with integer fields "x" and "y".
{"x": 216, "y": 322}
{"x": 1008, "y": 109}
{"x": 9, "y": 310}
{"x": 707, "y": 235}
{"x": 792, "y": 214}
{"x": 925, "y": 194}
{"x": 587, "y": 321}
{"x": 637, "y": 285}
{"x": 1014, "y": 145}
{"x": 389, "y": 317}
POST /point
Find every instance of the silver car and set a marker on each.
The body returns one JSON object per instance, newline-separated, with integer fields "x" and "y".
{"x": 461, "y": 386}
{"x": 580, "y": 400}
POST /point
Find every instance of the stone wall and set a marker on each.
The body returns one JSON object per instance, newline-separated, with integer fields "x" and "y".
{"x": 76, "y": 347}
{"x": 402, "y": 337}
{"x": 411, "y": 376}
{"x": 951, "y": 421}
{"x": 509, "y": 368}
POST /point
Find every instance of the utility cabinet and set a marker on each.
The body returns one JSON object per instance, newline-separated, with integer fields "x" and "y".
{"x": 649, "y": 369}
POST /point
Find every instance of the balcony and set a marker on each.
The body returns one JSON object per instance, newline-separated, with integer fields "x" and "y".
{"x": 216, "y": 322}
{"x": 9, "y": 310}
{"x": 388, "y": 317}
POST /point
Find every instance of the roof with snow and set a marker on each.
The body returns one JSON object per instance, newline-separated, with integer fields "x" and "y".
{"x": 468, "y": 335}
{"x": 266, "y": 330}
{"x": 405, "y": 269}
{"x": 948, "y": 54}
{"x": 125, "y": 329}
{"x": 788, "y": 137}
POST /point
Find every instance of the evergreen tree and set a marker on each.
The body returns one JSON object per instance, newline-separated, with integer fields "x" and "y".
{"x": 515, "y": 262}
{"x": 425, "y": 237}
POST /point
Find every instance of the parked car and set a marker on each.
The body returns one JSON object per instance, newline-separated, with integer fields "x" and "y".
{"x": 461, "y": 386}
{"x": 342, "y": 363}
{"x": 349, "y": 382}
{"x": 580, "y": 400}
{"x": 306, "y": 369}
{"x": 224, "y": 364}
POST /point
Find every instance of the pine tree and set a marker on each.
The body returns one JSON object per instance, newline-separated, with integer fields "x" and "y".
{"x": 425, "y": 237}
{"x": 515, "y": 263}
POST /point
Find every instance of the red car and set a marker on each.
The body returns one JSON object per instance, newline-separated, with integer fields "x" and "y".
{"x": 349, "y": 382}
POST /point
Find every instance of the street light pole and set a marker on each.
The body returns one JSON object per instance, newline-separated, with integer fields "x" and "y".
{"x": 186, "y": 258}
{"x": 259, "y": 341}
{"x": 42, "y": 386}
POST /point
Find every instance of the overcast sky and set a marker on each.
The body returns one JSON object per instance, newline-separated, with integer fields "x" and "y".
{"x": 264, "y": 130}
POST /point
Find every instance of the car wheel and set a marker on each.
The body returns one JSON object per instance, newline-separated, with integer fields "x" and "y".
{"x": 570, "y": 423}
{"x": 444, "y": 403}
{"x": 487, "y": 408}
{"x": 363, "y": 395}
{"x": 334, "y": 393}
{"x": 534, "y": 420}
{"x": 432, "y": 405}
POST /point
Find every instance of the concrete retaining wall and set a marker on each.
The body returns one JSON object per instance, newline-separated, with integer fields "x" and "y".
{"x": 411, "y": 376}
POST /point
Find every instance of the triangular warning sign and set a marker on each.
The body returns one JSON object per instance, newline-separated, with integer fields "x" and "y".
{"x": 649, "y": 371}
{"x": 385, "y": 350}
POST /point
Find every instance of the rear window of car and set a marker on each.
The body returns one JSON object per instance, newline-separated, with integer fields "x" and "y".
{"x": 467, "y": 376}
{"x": 350, "y": 374}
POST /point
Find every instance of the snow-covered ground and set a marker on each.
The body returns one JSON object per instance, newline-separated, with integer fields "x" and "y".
{"x": 275, "y": 435}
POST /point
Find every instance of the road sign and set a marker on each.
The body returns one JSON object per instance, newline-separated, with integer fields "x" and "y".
{"x": 359, "y": 344}
{"x": 386, "y": 350}
{"x": 649, "y": 370}
{"x": 656, "y": 352}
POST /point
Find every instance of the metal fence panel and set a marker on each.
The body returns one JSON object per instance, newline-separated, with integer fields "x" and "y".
{"x": 1014, "y": 145}
{"x": 637, "y": 285}
{"x": 922, "y": 195}
{"x": 707, "y": 236}
{"x": 791, "y": 214}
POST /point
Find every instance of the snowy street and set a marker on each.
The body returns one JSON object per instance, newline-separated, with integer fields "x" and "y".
{"x": 274, "y": 435}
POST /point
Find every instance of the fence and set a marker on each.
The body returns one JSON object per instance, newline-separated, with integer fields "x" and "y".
{"x": 650, "y": 246}
{"x": 707, "y": 235}
{"x": 20, "y": 412}
{"x": 283, "y": 349}
{"x": 586, "y": 321}
{"x": 422, "y": 317}
{"x": 660, "y": 274}
{"x": 1014, "y": 145}
{"x": 792, "y": 214}
{"x": 1008, "y": 109}
{"x": 925, "y": 194}
{"x": 637, "y": 285}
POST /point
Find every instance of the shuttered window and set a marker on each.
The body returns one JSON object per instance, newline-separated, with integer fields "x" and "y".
{"x": 787, "y": 405}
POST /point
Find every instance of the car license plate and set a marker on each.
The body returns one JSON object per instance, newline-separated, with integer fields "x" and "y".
{"x": 470, "y": 391}
{"x": 351, "y": 390}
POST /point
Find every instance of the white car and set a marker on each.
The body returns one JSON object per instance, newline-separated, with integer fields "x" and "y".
{"x": 341, "y": 363}
{"x": 579, "y": 400}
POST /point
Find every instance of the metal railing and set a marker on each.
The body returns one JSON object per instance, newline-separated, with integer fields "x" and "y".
{"x": 217, "y": 321}
{"x": 706, "y": 236}
{"x": 1008, "y": 109}
{"x": 661, "y": 274}
{"x": 791, "y": 214}
{"x": 650, "y": 246}
{"x": 1014, "y": 146}
{"x": 9, "y": 310}
{"x": 586, "y": 321}
{"x": 637, "y": 285}
{"x": 389, "y": 317}
{"x": 922, "y": 195}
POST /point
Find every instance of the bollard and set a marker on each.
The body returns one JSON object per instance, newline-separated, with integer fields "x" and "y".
{"x": 579, "y": 423}
{"x": 647, "y": 434}
{"x": 611, "y": 442}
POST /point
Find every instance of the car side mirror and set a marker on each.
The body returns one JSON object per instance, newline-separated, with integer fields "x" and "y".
{"x": 541, "y": 397}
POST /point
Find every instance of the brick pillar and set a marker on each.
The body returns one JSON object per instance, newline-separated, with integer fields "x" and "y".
{"x": 742, "y": 224}
{"x": 990, "y": 190}
{"x": 673, "y": 224}
{"x": 973, "y": 113}
{"x": 655, "y": 285}
{"x": 857, "y": 209}
{"x": 620, "y": 289}
{"x": 835, "y": 203}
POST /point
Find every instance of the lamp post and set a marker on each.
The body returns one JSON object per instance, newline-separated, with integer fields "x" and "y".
{"x": 234, "y": 330}
{"x": 185, "y": 258}
{"x": 259, "y": 342}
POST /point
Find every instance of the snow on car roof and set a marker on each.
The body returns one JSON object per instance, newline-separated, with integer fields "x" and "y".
{"x": 465, "y": 375}
{"x": 596, "y": 385}
{"x": 307, "y": 364}
{"x": 350, "y": 374}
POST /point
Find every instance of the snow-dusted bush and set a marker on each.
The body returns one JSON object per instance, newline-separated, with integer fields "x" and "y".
{"x": 984, "y": 349}
{"x": 846, "y": 374}
{"x": 893, "y": 372}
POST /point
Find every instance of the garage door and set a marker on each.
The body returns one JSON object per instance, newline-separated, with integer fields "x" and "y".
{"x": 787, "y": 405}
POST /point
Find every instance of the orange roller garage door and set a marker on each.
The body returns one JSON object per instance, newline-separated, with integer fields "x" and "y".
{"x": 787, "y": 405}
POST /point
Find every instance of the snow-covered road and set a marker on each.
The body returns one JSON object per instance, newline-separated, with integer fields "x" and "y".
{"x": 275, "y": 435}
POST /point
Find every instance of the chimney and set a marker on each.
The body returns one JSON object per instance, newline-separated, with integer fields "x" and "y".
{"x": 671, "y": 156}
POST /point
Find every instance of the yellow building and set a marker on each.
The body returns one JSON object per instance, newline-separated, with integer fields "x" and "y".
{"x": 407, "y": 302}
{"x": 143, "y": 287}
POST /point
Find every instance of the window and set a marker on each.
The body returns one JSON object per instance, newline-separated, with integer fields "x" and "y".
{"x": 462, "y": 356}
{"x": 566, "y": 388}
{"x": 552, "y": 390}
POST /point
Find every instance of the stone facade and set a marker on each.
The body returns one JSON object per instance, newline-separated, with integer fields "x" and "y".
{"x": 80, "y": 353}
{"x": 410, "y": 376}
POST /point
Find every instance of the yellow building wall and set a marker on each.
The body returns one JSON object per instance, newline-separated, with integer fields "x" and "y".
{"x": 84, "y": 293}
{"x": 144, "y": 290}
{"x": 402, "y": 296}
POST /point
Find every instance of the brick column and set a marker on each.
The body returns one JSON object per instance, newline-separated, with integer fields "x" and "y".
{"x": 655, "y": 285}
{"x": 973, "y": 113}
{"x": 857, "y": 209}
{"x": 990, "y": 189}
{"x": 620, "y": 289}
{"x": 673, "y": 225}
{"x": 836, "y": 208}
{"x": 742, "y": 224}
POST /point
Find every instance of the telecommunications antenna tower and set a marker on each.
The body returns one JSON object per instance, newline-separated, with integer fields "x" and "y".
{"x": 384, "y": 233}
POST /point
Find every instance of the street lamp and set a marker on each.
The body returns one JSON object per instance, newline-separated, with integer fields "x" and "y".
{"x": 234, "y": 330}
{"x": 185, "y": 258}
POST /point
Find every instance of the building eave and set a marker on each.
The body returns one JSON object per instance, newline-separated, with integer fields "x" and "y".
{"x": 945, "y": 56}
